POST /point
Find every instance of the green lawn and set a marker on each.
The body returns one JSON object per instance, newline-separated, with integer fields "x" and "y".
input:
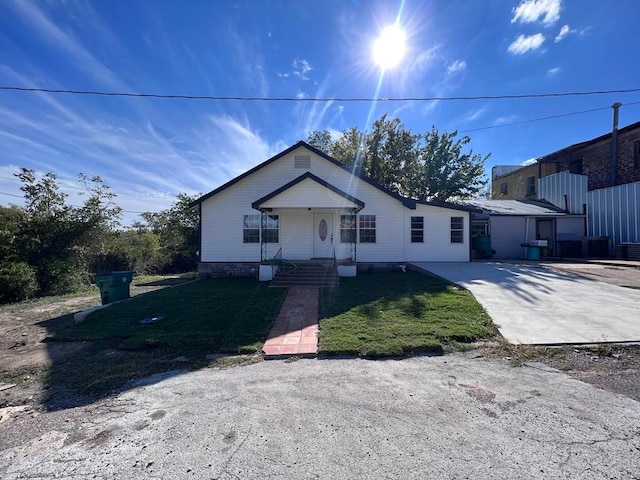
{"x": 389, "y": 314}
{"x": 214, "y": 315}
{"x": 199, "y": 318}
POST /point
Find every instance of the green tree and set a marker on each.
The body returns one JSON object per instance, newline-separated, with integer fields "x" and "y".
{"x": 429, "y": 166}
{"x": 320, "y": 139}
{"x": 49, "y": 233}
{"x": 445, "y": 170}
{"x": 17, "y": 278}
{"x": 178, "y": 231}
{"x": 57, "y": 241}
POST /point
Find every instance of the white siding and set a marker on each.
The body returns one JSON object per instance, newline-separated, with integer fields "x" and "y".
{"x": 296, "y": 230}
{"x": 437, "y": 244}
{"x": 309, "y": 193}
{"x": 222, "y": 217}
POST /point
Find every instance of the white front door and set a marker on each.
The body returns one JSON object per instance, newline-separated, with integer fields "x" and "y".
{"x": 323, "y": 235}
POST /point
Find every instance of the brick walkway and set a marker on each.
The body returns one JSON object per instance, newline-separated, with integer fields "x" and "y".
{"x": 295, "y": 331}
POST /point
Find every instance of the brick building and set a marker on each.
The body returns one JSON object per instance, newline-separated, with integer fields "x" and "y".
{"x": 593, "y": 158}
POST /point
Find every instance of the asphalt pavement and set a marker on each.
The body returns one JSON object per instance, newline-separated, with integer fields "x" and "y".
{"x": 531, "y": 304}
{"x": 448, "y": 417}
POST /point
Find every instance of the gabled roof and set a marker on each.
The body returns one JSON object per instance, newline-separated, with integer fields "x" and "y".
{"x": 308, "y": 175}
{"x": 407, "y": 202}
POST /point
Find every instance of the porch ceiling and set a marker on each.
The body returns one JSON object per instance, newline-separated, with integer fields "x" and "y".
{"x": 308, "y": 191}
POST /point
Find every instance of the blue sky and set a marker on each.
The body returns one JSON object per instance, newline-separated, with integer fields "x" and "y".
{"x": 149, "y": 150}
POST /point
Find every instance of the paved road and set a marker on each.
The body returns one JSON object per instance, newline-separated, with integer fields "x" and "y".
{"x": 447, "y": 417}
{"x": 536, "y": 305}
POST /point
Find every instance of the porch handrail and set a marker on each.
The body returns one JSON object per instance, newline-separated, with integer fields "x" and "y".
{"x": 277, "y": 258}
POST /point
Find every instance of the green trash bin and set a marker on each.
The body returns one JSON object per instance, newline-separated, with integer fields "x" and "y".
{"x": 114, "y": 286}
{"x": 481, "y": 245}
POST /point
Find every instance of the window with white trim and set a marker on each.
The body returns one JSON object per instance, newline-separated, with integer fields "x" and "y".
{"x": 347, "y": 228}
{"x": 457, "y": 229}
{"x": 251, "y": 229}
{"x": 271, "y": 229}
{"x": 367, "y": 229}
{"x": 417, "y": 229}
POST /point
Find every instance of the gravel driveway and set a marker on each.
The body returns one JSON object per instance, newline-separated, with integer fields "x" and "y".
{"x": 441, "y": 417}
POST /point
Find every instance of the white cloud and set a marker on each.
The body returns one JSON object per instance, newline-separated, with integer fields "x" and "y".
{"x": 300, "y": 68}
{"x": 423, "y": 60}
{"x": 524, "y": 43}
{"x": 552, "y": 72}
{"x": 473, "y": 115}
{"x": 531, "y": 11}
{"x": 506, "y": 119}
{"x": 302, "y": 95}
{"x": 530, "y": 161}
{"x": 457, "y": 66}
{"x": 564, "y": 32}
{"x": 72, "y": 48}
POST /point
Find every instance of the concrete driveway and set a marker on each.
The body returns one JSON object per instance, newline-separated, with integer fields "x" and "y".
{"x": 450, "y": 417}
{"x": 536, "y": 305}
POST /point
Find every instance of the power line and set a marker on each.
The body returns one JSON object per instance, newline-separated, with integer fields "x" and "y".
{"x": 11, "y": 195}
{"x": 539, "y": 119}
{"x": 321, "y": 99}
{"x": 74, "y": 206}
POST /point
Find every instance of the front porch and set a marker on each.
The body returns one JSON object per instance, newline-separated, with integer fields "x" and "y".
{"x": 308, "y": 219}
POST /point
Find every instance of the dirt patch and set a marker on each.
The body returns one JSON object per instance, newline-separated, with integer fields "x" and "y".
{"x": 615, "y": 368}
{"x": 622, "y": 276}
{"x": 24, "y": 327}
{"x": 25, "y": 354}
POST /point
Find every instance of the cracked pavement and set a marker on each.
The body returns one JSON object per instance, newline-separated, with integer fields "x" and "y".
{"x": 454, "y": 416}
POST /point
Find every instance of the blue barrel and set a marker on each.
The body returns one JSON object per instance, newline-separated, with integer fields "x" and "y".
{"x": 533, "y": 253}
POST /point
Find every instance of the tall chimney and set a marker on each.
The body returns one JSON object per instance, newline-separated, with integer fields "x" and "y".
{"x": 614, "y": 144}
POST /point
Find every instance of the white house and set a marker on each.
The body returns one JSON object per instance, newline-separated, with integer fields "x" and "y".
{"x": 302, "y": 204}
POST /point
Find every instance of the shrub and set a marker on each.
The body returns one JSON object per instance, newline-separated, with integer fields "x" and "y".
{"x": 17, "y": 282}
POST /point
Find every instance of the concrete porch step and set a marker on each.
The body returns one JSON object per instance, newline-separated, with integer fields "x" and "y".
{"x": 309, "y": 273}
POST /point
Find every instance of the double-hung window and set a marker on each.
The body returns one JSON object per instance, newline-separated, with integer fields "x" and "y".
{"x": 417, "y": 229}
{"x": 251, "y": 229}
{"x": 367, "y": 229}
{"x": 347, "y": 228}
{"x": 271, "y": 229}
{"x": 457, "y": 229}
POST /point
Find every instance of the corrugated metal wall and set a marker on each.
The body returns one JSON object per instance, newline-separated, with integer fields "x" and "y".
{"x": 615, "y": 211}
{"x": 553, "y": 188}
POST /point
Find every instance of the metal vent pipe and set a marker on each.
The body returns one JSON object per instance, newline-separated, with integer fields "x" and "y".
{"x": 614, "y": 144}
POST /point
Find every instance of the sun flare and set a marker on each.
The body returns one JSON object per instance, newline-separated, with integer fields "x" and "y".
{"x": 389, "y": 47}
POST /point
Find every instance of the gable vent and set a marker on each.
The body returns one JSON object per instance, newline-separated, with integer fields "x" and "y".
{"x": 302, "y": 161}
